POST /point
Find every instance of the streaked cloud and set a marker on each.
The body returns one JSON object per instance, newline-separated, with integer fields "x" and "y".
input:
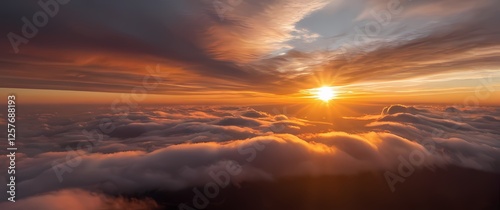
{"x": 263, "y": 47}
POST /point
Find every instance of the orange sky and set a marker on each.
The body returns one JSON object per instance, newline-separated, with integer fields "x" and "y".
{"x": 273, "y": 52}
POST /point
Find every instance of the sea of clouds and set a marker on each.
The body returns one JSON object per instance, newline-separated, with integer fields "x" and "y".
{"x": 83, "y": 158}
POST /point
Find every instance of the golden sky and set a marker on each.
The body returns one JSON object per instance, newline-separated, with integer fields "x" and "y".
{"x": 269, "y": 52}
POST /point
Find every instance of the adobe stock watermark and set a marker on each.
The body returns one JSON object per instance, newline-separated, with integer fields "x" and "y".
{"x": 222, "y": 7}
{"x": 29, "y": 30}
{"x": 222, "y": 178}
{"x": 120, "y": 106}
{"x": 366, "y": 32}
{"x": 416, "y": 158}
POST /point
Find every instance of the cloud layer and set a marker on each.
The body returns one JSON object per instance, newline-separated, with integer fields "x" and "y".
{"x": 174, "y": 148}
{"x": 263, "y": 47}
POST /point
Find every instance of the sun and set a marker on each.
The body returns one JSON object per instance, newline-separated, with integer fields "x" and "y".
{"x": 325, "y": 93}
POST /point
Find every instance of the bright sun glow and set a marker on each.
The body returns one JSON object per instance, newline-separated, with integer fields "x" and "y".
{"x": 325, "y": 93}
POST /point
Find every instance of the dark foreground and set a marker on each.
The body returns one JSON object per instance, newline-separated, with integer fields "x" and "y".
{"x": 451, "y": 188}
